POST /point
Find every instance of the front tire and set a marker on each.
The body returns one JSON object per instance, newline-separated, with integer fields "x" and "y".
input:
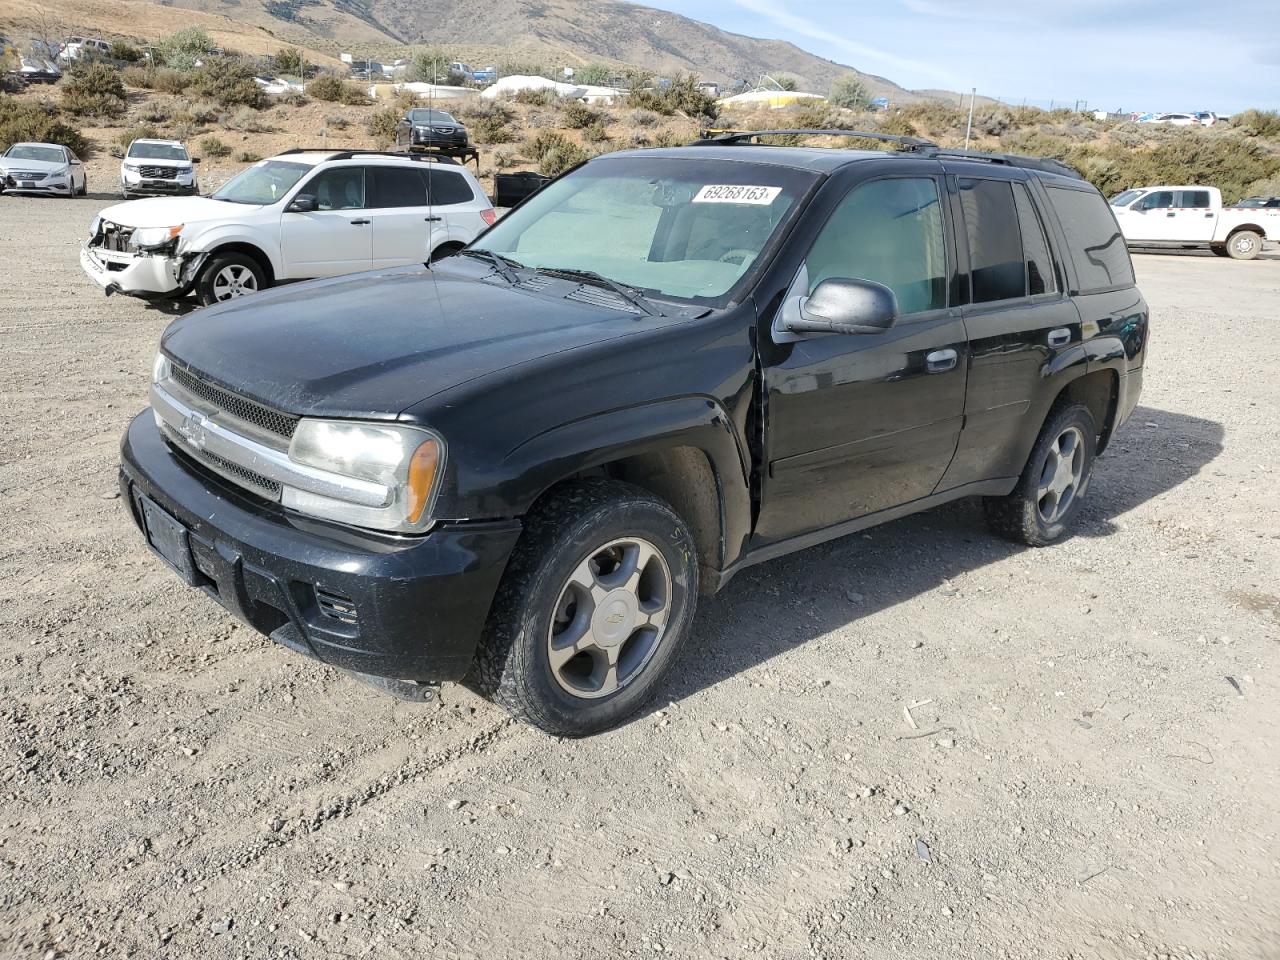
{"x": 227, "y": 276}
{"x": 597, "y": 599}
{"x": 1244, "y": 245}
{"x": 1047, "y": 498}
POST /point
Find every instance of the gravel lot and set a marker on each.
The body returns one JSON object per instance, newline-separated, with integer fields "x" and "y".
{"x": 1090, "y": 769}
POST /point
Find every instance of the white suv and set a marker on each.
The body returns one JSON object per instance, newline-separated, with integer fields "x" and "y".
{"x": 157, "y": 167}
{"x": 300, "y": 215}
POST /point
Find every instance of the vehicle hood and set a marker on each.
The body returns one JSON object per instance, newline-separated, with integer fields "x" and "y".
{"x": 170, "y": 211}
{"x": 35, "y": 166}
{"x": 374, "y": 344}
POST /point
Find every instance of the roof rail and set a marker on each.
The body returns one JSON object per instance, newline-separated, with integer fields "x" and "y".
{"x": 728, "y": 137}
{"x": 347, "y": 154}
{"x": 1044, "y": 164}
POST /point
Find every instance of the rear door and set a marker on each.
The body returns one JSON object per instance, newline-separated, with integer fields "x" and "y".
{"x": 454, "y": 199}
{"x": 405, "y": 228}
{"x": 335, "y": 238}
{"x": 1195, "y": 217}
{"x": 860, "y": 423}
{"x": 1018, "y": 319}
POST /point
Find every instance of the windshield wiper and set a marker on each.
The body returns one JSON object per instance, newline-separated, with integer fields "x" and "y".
{"x": 503, "y": 265}
{"x": 629, "y": 294}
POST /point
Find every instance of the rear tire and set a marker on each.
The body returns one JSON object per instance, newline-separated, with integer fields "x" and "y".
{"x": 227, "y": 276}
{"x": 596, "y": 602}
{"x": 1053, "y": 484}
{"x": 1244, "y": 245}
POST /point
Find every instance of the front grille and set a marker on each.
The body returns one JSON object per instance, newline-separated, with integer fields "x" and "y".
{"x": 281, "y": 424}
{"x": 27, "y": 175}
{"x": 159, "y": 173}
{"x": 242, "y": 475}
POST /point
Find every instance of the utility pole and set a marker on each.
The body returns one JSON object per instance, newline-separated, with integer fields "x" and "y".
{"x": 968, "y": 131}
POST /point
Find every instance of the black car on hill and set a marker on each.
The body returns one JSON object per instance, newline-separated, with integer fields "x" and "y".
{"x": 426, "y": 128}
{"x": 521, "y": 465}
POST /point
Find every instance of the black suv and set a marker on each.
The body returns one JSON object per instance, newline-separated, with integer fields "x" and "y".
{"x": 425, "y": 128}
{"x": 520, "y": 466}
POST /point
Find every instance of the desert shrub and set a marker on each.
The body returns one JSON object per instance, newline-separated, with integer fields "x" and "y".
{"x": 535, "y": 98}
{"x": 158, "y": 111}
{"x": 935, "y": 116}
{"x": 818, "y": 116}
{"x": 594, "y": 74}
{"x": 213, "y": 147}
{"x": 1037, "y": 143}
{"x": 786, "y": 82}
{"x": 382, "y": 125}
{"x": 203, "y": 111}
{"x": 643, "y": 118}
{"x": 479, "y": 109}
{"x": 992, "y": 121}
{"x": 528, "y": 68}
{"x": 291, "y": 98}
{"x": 93, "y": 90}
{"x": 334, "y": 89}
{"x": 680, "y": 96}
{"x": 247, "y": 120}
{"x": 505, "y": 159}
{"x": 577, "y": 115}
{"x": 126, "y": 52}
{"x": 426, "y": 66}
{"x": 166, "y": 80}
{"x": 24, "y": 121}
{"x": 229, "y": 82}
{"x": 183, "y": 48}
{"x": 561, "y": 158}
{"x": 185, "y": 130}
{"x": 595, "y": 132}
{"x": 247, "y": 156}
{"x": 336, "y": 121}
{"x": 543, "y": 143}
{"x": 849, "y": 92}
{"x": 669, "y": 138}
{"x": 290, "y": 61}
{"x": 1258, "y": 123}
{"x": 491, "y": 129}
{"x": 897, "y": 125}
{"x": 639, "y": 139}
{"x": 120, "y": 145}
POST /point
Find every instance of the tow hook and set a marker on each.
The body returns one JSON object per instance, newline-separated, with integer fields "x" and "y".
{"x": 408, "y": 690}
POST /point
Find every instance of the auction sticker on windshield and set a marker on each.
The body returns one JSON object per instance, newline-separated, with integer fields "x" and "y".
{"x": 733, "y": 193}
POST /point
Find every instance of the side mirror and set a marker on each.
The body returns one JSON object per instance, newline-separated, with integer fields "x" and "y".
{"x": 303, "y": 203}
{"x": 838, "y": 305}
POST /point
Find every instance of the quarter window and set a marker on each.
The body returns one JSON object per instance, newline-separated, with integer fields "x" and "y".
{"x": 446, "y": 188}
{"x": 890, "y": 232}
{"x": 997, "y": 270}
{"x": 1097, "y": 245}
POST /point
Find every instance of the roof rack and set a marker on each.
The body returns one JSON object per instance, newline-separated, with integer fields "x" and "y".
{"x": 349, "y": 154}
{"x": 725, "y": 137}
{"x": 912, "y": 145}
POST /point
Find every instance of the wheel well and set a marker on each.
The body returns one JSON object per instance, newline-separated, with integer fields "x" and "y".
{"x": 446, "y": 249}
{"x": 1247, "y": 226}
{"x": 248, "y": 250}
{"x": 1099, "y": 392}
{"x": 684, "y": 478}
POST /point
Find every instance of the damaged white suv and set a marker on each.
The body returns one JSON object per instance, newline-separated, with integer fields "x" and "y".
{"x": 298, "y": 216}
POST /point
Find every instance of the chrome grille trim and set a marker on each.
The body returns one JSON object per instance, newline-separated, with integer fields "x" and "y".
{"x": 263, "y": 417}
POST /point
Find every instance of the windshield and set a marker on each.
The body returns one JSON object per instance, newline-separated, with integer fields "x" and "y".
{"x": 158, "y": 151}
{"x": 430, "y": 116}
{"x": 683, "y": 228}
{"x": 264, "y": 183}
{"x": 1124, "y": 199}
{"x": 25, "y": 151}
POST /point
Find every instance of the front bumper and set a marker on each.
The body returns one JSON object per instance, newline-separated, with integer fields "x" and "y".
{"x": 132, "y": 274}
{"x": 58, "y": 188}
{"x": 415, "y": 607}
{"x": 164, "y": 188}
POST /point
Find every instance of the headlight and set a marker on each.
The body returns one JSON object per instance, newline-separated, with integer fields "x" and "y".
{"x": 407, "y": 461}
{"x": 155, "y": 236}
{"x": 59, "y": 174}
{"x": 95, "y": 227}
{"x": 160, "y": 368}
{"x": 131, "y": 167}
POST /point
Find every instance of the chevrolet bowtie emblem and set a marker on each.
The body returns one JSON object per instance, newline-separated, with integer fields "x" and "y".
{"x": 193, "y": 429}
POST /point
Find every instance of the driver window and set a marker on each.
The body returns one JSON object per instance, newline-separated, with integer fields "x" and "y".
{"x": 888, "y": 231}
{"x": 338, "y": 188}
{"x": 1160, "y": 200}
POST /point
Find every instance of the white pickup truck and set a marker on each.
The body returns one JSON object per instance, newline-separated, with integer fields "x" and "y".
{"x": 1189, "y": 217}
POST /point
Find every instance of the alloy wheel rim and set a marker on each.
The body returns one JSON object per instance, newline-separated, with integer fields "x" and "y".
{"x": 233, "y": 281}
{"x": 610, "y": 618}
{"x": 1061, "y": 475}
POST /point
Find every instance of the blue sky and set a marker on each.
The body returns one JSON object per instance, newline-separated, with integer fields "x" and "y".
{"x": 1116, "y": 54}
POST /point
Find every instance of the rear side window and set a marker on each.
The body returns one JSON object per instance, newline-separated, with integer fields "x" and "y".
{"x": 446, "y": 188}
{"x": 997, "y": 270}
{"x": 1195, "y": 199}
{"x": 1097, "y": 245}
{"x": 396, "y": 187}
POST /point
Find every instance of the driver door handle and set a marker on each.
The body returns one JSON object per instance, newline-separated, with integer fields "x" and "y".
{"x": 359, "y": 223}
{"x": 941, "y": 360}
{"x": 433, "y": 219}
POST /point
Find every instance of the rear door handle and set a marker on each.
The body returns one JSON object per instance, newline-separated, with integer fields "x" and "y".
{"x": 1060, "y": 337}
{"x": 359, "y": 223}
{"x": 1170, "y": 214}
{"x": 433, "y": 219}
{"x": 941, "y": 360}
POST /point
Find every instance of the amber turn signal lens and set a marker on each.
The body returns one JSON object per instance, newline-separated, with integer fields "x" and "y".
{"x": 422, "y": 478}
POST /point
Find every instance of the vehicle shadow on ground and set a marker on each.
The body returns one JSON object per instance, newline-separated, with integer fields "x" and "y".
{"x": 171, "y": 308}
{"x": 770, "y": 608}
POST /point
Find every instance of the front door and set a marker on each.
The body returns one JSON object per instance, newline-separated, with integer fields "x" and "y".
{"x": 1152, "y": 217}
{"x": 336, "y": 237}
{"x": 859, "y": 423}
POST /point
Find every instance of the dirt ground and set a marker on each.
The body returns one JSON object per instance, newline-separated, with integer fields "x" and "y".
{"x": 1090, "y": 768}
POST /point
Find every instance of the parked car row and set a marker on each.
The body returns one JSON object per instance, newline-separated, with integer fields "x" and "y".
{"x": 300, "y": 215}
{"x": 149, "y": 168}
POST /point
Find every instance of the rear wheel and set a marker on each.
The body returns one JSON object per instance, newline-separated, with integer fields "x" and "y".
{"x": 596, "y": 601}
{"x": 227, "y": 276}
{"x": 1053, "y": 484}
{"x": 1244, "y": 245}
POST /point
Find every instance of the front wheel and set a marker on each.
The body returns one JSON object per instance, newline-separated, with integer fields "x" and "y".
{"x": 1053, "y": 484}
{"x": 227, "y": 276}
{"x": 596, "y": 601}
{"x": 1244, "y": 245}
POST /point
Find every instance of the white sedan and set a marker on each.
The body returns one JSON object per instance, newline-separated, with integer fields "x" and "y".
{"x": 42, "y": 168}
